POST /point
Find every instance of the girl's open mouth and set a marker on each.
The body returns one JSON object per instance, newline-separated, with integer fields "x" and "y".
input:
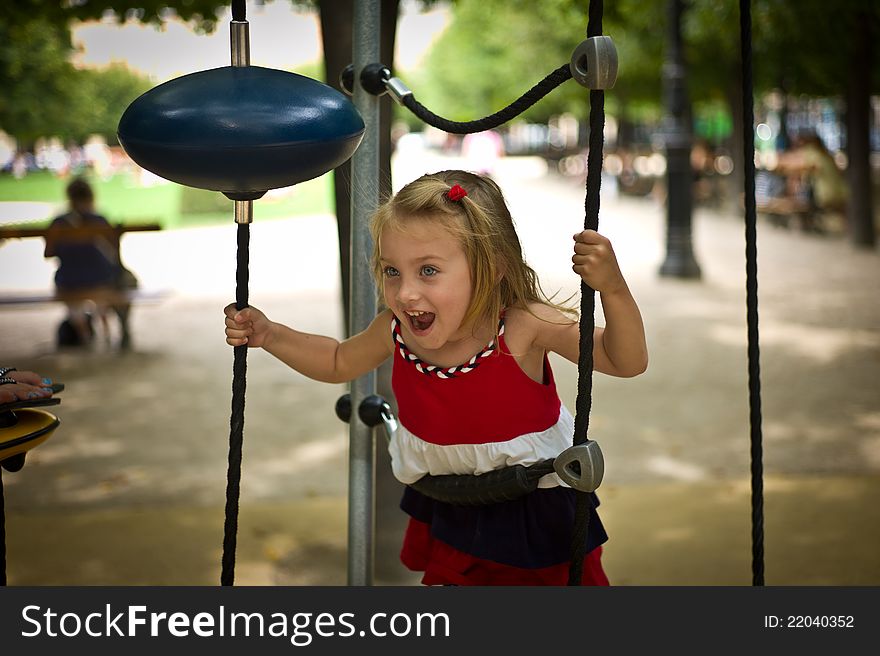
{"x": 420, "y": 321}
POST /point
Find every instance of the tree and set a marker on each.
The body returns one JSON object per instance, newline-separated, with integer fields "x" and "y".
{"x": 808, "y": 50}
{"x": 479, "y": 65}
{"x": 105, "y": 93}
{"x": 34, "y": 67}
{"x": 337, "y": 24}
{"x": 200, "y": 14}
{"x": 35, "y": 48}
{"x": 35, "y": 52}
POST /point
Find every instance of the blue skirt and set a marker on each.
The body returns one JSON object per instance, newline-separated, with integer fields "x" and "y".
{"x": 532, "y": 532}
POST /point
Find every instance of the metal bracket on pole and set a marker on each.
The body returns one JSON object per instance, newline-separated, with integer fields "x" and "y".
{"x": 594, "y": 63}
{"x": 240, "y": 48}
{"x": 373, "y": 410}
{"x": 375, "y": 79}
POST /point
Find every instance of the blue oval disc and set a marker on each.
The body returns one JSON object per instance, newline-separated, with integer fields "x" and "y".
{"x": 240, "y": 130}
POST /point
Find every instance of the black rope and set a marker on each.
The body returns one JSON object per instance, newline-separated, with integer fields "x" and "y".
{"x": 745, "y": 31}
{"x": 239, "y": 384}
{"x": 513, "y": 110}
{"x": 239, "y": 10}
{"x": 2, "y": 533}
{"x": 584, "y": 401}
{"x": 236, "y": 422}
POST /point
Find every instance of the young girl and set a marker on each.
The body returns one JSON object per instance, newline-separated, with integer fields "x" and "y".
{"x": 469, "y": 331}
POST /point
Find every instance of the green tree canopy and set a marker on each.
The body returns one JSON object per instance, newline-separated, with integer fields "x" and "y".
{"x": 45, "y": 94}
{"x": 495, "y": 49}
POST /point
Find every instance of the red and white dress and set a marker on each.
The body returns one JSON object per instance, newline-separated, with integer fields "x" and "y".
{"x": 479, "y": 416}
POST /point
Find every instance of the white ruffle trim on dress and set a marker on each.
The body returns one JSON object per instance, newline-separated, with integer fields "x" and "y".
{"x": 413, "y": 457}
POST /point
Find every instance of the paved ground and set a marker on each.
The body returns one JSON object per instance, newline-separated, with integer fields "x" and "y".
{"x": 130, "y": 488}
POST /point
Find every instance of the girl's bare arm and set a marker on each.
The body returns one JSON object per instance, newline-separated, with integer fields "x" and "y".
{"x": 321, "y": 358}
{"x": 618, "y": 349}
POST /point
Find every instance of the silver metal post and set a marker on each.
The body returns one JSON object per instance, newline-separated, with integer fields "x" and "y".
{"x": 364, "y": 200}
{"x": 244, "y": 211}
{"x": 240, "y": 42}
{"x": 240, "y": 47}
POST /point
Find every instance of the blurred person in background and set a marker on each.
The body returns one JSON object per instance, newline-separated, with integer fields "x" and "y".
{"x": 813, "y": 173}
{"x": 90, "y": 274}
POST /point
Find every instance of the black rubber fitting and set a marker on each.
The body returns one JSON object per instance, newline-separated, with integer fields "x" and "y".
{"x": 343, "y": 408}
{"x": 373, "y": 78}
{"x": 371, "y": 410}
{"x": 346, "y": 79}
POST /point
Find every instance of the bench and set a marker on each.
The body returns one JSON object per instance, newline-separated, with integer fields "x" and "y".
{"x": 76, "y": 233}
{"x": 98, "y": 297}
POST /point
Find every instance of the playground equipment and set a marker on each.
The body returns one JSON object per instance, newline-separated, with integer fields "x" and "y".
{"x": 23, "y": 426}
{"x": 242, "y": 130}
{"x": 227, "y": 149}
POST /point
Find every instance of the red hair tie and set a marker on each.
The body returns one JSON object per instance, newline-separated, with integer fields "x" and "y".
{"x": 456, "y": 193}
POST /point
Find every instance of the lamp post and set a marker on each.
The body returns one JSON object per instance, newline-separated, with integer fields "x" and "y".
{"x": 678, "y": 139}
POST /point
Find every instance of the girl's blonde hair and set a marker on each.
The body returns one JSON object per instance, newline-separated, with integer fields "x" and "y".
{"x": 500, "y": 277}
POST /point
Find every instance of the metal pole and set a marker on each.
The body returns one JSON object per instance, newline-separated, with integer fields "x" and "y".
{"x": 240, "y": 49}
{"x": 680, "y": 261}
{"x": 364, "y": 200}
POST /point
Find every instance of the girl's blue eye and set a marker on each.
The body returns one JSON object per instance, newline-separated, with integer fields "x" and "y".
{"x": 428, "y": 270}
{"x": 390, "y": 272}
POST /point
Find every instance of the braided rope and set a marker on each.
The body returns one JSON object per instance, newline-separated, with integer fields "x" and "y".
{"x": 236, "y": 421}
{"x": 239, "y": 386}
{"x": 757, "y": 467}
{"x": 513, "y": 110}
{"x": 584, "y": 401}
{"x": 239, "y": 10}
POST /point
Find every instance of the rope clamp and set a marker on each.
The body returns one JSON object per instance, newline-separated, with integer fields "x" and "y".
{"x": 397, "y": 89}
{"x": 594, "y": 63}
{"x": 581, "y": 466}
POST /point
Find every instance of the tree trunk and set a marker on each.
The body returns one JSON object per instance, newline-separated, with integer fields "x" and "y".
{"x": 860, "y": 209}
{"x": 337, "y": 23}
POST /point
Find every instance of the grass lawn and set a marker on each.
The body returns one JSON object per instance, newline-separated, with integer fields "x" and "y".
{"x": 122, "y": 200}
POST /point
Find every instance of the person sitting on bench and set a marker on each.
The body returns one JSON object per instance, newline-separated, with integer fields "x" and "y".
{"x": 89, "y": 272}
